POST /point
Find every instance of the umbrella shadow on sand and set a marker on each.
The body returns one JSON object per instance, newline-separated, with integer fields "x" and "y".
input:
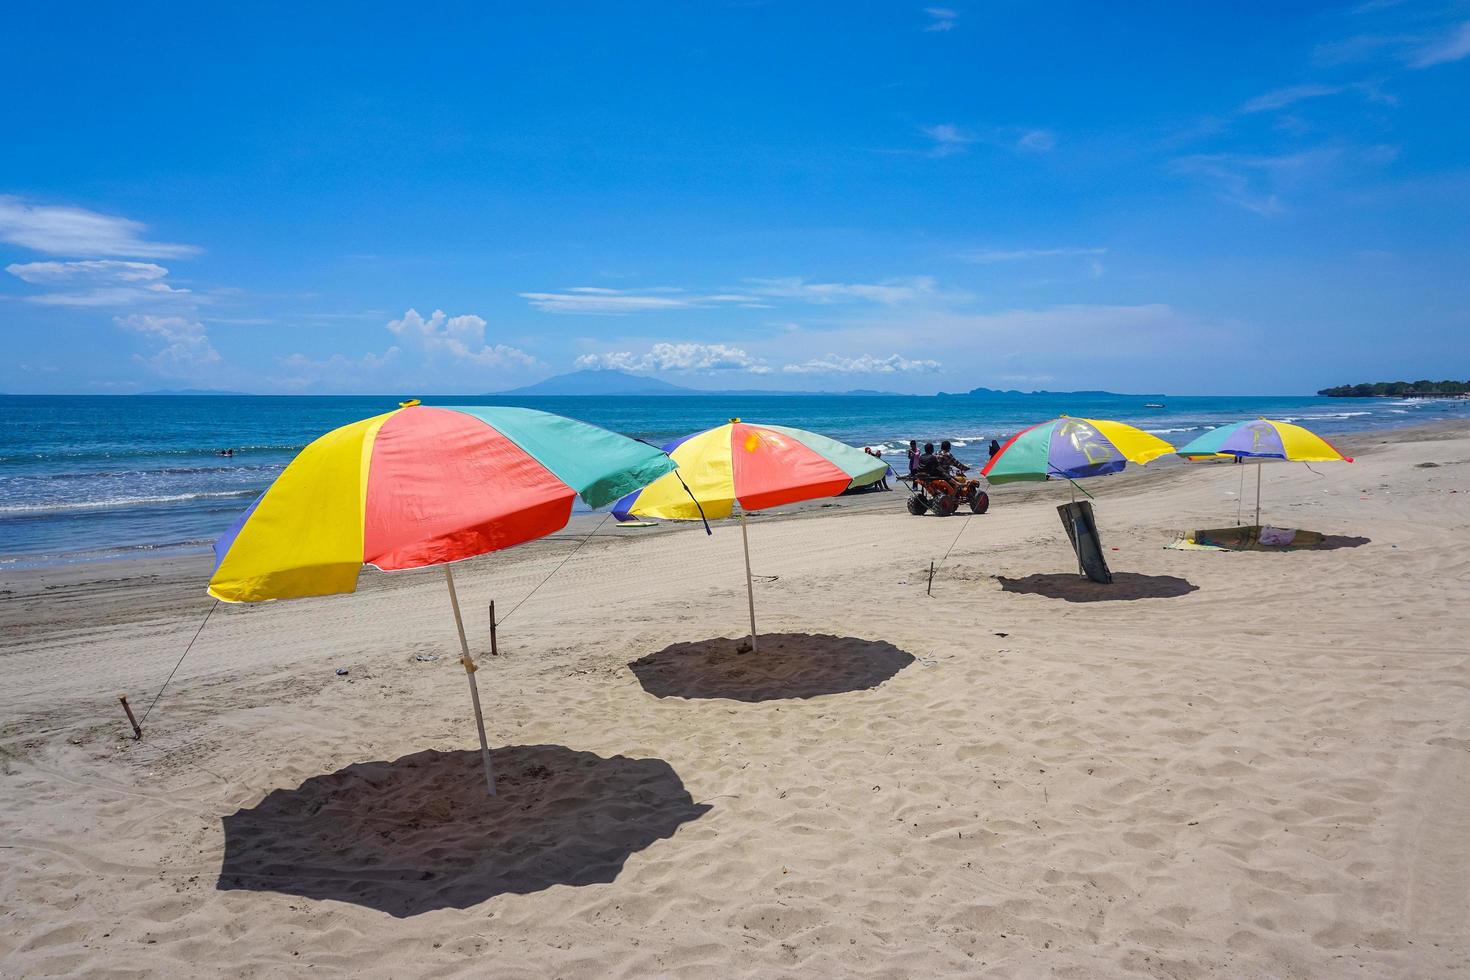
{"x": 1329, "y": 542}
{"x": 419, "y": 833}
{"x": 1074, "y": 588}
{"x": 786, "y": 665}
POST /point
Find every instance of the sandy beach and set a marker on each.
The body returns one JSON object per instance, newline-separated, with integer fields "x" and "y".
{"x": 1224, "y": 764}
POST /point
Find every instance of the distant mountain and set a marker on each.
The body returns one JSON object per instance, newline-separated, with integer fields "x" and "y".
{"x": 193, "y": 391}
{"x": 601, "y": 382}
{"x": 1013, "y": 393}
{"x": 609, "y": 381}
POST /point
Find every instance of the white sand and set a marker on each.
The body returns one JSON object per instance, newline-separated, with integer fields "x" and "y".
{"x": 1226, "y": 765}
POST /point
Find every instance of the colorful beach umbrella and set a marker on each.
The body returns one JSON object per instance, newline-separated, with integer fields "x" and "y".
{"x": 1071, "y": 449}
{"x": 423, "y": 486}
{"x": 1260, "y": 439}
{"x": 754, "y": 465}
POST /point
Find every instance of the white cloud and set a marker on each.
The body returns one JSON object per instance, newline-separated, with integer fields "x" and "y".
{"x": 863, "y": 364}
{"x": 185, "y": 349}
{"x": 96, "y": 282}
{"x": 1257, "y": 182}
{"x": 1282, "y": 97}
{"x": 948, "y": 139}
{"x": 110, "y": 270}
{"x": 888, "y": 292}
{"x": 1452, "y": 47}
{"x": 434, "y": 353}
{"x": 617, "y": 302}
{"x": 64, "y": 230}
{"x": 941, "y": 18}
{"x": 1037, "y": 141}
{"x": 677, "y": 357}
{"x": 987, "y": 256}
{"x": 339, "y": 368}
{"x": 461, "y": 337}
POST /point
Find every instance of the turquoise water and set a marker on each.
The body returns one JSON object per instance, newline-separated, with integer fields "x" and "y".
{"x": 94, "y": 477}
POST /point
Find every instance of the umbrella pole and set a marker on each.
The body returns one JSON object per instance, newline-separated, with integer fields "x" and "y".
{"x": 1258, "y": 495}
{"x": 1076, "y": 545}
{"x": 749, "y": 583}
{"x": 469, "y": 672}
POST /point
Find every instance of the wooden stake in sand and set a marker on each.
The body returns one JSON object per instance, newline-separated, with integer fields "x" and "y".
{"x": 494, "y": 650}
{"x": 929, "y": 589}
{"x": 137, "y": 730}
{"x": 469, "y": 672}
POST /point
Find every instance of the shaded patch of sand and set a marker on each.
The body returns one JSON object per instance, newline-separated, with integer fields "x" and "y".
{"x": 785, "y": 665}
{"x": 422, "y": 832}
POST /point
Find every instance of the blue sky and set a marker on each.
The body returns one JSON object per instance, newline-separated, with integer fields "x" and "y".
{"x": 387, "y": 198}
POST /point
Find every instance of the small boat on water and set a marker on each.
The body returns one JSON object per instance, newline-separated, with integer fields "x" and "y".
{"x": 1153, "y": 404}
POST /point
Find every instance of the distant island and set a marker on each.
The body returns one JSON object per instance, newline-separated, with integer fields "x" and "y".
{"x": 1400, "y": 389}
{"x": 612, "y": 382}
{"x": 192, "y": 392}
{"x": 1013, "y": 393}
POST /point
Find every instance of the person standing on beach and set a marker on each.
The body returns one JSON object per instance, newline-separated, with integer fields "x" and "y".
{"x": 913, "y": 457}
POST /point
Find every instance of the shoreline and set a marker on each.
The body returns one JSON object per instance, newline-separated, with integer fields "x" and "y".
{"x": 581, "y": 523}
{"x": 140, "y": 497}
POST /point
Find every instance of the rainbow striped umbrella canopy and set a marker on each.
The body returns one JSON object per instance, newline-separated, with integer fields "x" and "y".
{"x": 421, "y": 486}
{"x": 756, "y": 465}
{"x": 1070, "y": 449}
{"x": 1265, "y": 439}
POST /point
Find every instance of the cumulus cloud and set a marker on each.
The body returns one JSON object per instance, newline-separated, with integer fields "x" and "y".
{"x": 460, "y": 337}
{"x": 305, "y": 370}
{"x": 184, "y": 347}
{"x": 428, "y": 353}
{"x": 65, "y": 230}
{"x": 96, "y": 282}
{"x": 676, "y": 357}
{"x": 863, "y": 364}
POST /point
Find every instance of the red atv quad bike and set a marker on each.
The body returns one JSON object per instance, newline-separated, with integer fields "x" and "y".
{"x": 944, "y": 496}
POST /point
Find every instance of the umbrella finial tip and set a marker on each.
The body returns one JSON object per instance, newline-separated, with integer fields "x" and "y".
{"x": 732, "y": 421}
{"x": 408, "y": 404}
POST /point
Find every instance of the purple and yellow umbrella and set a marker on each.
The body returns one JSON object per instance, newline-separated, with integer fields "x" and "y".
{"x": 1072, "y": 449}
{"x": 423, "y": 486}
{"x": 755, "y": 466}
{"x": 1260, "y": 439}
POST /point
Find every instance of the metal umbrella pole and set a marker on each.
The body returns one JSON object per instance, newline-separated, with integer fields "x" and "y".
{"x": 749, "y": 583}
{"x": 1258, "y": 495}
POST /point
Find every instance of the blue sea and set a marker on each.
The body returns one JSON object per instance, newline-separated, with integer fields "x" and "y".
{"x": 85, "y": 478}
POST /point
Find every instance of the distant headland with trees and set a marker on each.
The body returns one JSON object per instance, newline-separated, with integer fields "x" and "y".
{"x": 1401, "y": 389}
